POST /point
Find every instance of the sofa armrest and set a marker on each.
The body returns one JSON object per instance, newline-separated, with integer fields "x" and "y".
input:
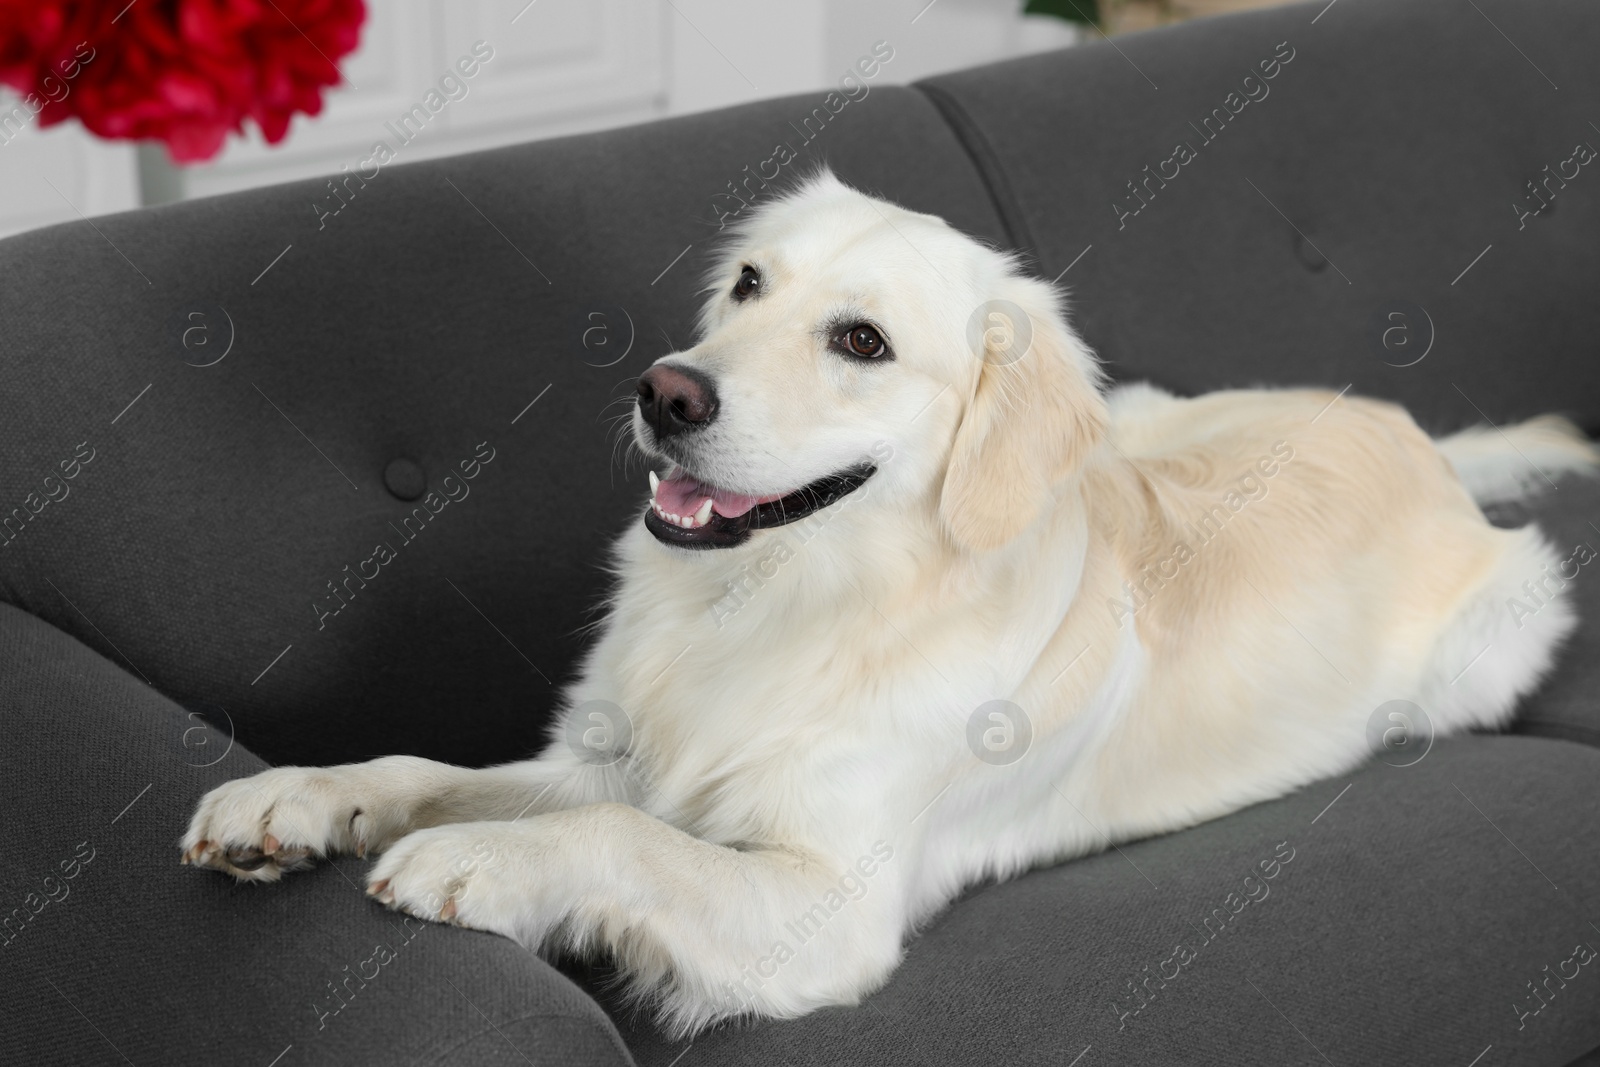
{"x": 110, "y": 947}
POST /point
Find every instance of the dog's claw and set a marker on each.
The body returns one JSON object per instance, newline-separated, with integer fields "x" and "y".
{"x": 377, "y": 887}
{"x": 448, "y": 912}
{"x": 269, "y": 844}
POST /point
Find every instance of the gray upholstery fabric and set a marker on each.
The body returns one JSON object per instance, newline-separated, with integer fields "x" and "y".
{"x": 1402, "y": 931}
{"x": 1395, "y": 141}
{"x": 413, "y": 330}
{"x": 110, "y": 949}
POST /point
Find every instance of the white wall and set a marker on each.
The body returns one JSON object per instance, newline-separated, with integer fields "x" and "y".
{"x": 52, "y": 176}
{"x": 559, "y": 66}
{"x": 772, "y": 48}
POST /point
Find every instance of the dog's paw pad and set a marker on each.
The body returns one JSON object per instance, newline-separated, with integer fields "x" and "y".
{"x": 247, "y": 858}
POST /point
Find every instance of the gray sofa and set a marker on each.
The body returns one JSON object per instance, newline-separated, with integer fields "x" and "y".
{"x": 201, "y": 438}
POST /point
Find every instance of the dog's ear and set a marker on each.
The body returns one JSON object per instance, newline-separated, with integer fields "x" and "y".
{"x": 1033, "y": 418}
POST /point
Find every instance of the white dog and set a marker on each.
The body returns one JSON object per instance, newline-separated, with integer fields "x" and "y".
{"x": 916, "y": 604}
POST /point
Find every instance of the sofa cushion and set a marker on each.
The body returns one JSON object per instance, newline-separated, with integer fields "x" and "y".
{"x": 1378, "y": 162}
{"x": 493, "y": 305}
{"x": 113, "y": 952}
{"x": 1392, "y": 915}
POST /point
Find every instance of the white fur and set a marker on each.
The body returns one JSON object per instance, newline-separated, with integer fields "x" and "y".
{"x": 782, "y": 752}
{"x": 1504, "y": 465}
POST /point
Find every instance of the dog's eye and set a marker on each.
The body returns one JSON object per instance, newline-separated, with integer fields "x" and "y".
{"x": 749, "y": 281}
{"x": 864, "y": 341}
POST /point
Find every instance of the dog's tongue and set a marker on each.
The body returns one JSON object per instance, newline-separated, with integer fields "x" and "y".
{"x": 680, "y": 494}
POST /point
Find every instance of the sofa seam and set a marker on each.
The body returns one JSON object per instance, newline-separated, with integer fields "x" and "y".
{"x": 985, "y": 161}
{"x": 610, "y": 1032}
{"x": 1557, "y": 730}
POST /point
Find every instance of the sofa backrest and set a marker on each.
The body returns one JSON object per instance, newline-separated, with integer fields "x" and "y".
{"x": 252, "y": 394}
{"x": 490, "y": 309}
{"x": 1315, "y": 194}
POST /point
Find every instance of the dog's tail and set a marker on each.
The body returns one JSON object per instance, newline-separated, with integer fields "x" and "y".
{"x": 1510, "y": 463}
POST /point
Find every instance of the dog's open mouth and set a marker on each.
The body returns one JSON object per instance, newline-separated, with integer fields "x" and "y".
{"x": 689, "y": 513}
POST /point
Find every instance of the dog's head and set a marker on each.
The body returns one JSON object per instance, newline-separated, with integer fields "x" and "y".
{"x": 845, "y": 340}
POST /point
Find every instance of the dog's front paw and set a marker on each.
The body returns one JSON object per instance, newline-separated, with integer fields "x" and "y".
{"x": 472, "y": 874}
{"x": 281, "y": 820}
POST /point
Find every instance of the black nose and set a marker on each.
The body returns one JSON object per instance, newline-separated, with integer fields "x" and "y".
{"x": 674, "y": 399}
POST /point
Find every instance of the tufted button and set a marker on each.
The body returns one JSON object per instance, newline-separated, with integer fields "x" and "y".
{"x": 404, "y": 478}
{"x": 1308, "y": 256}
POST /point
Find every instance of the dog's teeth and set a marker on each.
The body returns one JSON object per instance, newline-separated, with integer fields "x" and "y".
{"x": 703, "y": 516}
{"x": 655, "y": 485}
{"x": 687, "y": 522}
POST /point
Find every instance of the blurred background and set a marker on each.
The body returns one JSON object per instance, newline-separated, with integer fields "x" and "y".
{"x": 559, "y": 67}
